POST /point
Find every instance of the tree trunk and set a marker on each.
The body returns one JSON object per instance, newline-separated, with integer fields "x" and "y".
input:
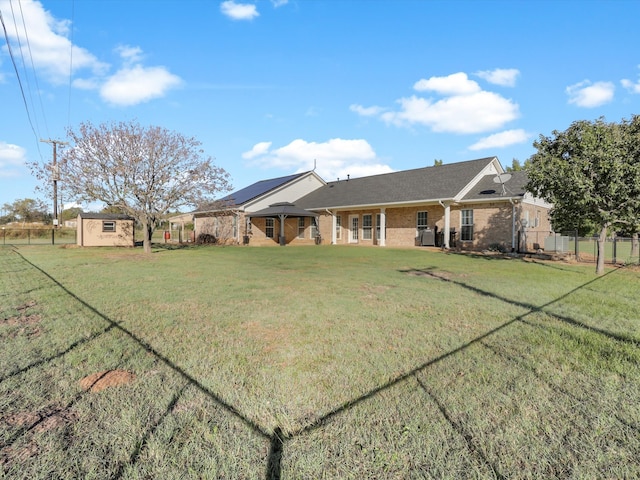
{"x": 601, "y": 243}
{"x": 635, "y": 247}
{"x": 146, "y": 241}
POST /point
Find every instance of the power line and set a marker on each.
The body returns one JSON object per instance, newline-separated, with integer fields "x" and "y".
{"x": 33, "y": 68}
{"x": 15, "y": 67}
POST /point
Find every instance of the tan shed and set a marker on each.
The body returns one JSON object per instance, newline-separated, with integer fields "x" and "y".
{"x": 105, "y": 230}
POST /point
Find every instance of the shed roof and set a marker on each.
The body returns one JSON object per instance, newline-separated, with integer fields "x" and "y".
{"x": 421, "y": 184}
{"x": 105, "y": 216}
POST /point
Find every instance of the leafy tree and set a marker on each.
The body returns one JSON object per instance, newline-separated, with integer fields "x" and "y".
{"x": 591, "y": 174}
{"x": 515, "y": 165}
{"x": 26, "y": 210}
{"x": 144, "y": 172}
{"x": 437, "y": 162}
{"x": 70, "y": 213}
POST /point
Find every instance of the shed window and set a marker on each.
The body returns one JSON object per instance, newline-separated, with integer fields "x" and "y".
{"x": 108, "y": 226}
{"x": 466, "y": 233}
{"x": 268, "y": 230}
{"x": 366, "y": 227}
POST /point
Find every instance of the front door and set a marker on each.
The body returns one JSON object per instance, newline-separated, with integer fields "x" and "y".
{"x": 354, "y": 226}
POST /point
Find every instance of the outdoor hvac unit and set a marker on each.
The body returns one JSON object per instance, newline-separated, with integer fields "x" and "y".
{"x": 556, "y": 243}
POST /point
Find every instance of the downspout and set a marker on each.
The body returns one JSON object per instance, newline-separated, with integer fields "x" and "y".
{"x": 513, "y": 225}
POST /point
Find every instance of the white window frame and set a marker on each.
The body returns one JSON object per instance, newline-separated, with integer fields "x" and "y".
{"x": 301, "y": 227}
{"x": 109, "y": 226}
{"x": 466, "y": 225}
{"x": 367, "y": 226}
{"x": 338, "y": 227}
{"x": 354, "y": 228}
{"x": 269, "y": 227}
{"x": 424, "y": 225}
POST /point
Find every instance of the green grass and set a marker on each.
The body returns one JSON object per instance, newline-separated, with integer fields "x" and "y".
{"x": 316, "y": 362}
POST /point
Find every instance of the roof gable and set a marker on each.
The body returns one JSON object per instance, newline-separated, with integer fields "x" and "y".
{"x": 488, "y": 189}
{"x": 255, "y": 190}
{"x": 442, "y": 182}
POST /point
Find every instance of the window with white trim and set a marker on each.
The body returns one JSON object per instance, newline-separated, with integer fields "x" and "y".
{"x": 367, "y": 226}
{"x": 421, "y": 221}
{"x": 268, "y": 227}
{"x": 108, "y": 226}
{"x": 338, "y": 227}
{"x": 300, "y": 227}
{"x": 466, "y": 223}
{"x": 314, "y": 227}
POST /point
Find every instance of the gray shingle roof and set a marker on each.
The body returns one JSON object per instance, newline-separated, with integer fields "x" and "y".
{"x": 487, "y": 189}
{"x": 421, "y": 184}
{"x": 105, "y": 216}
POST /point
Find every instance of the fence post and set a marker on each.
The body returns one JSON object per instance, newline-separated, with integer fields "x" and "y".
{"x": 615, "y": 243}
{"x": 576, "y": 247}
{"x": 53, "y": 237}
{"x": 28, "y": 236}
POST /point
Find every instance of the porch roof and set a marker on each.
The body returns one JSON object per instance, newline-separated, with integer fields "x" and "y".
{"x": 283, "y": 209}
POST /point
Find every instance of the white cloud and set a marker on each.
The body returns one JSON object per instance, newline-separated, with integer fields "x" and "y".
{"x": 476, "y": 113}
{"x": 373, "y": 111}
{"x": 588, "y": 95}
{"x": 335, "y": 158}
{"x": 50, "y": 48}
{"x": 629, "y": 85}
{"x": 138, "y": 84}
{"x": 501, "y": 140}
{"x": 505, "y": 77}
{"x": 258, "y": 149}
{"x": 465, "y": 108}
{"x": 239, "y": 11}
{"x": 279, "y": 3}
{"x": 133, "y": 83}
{"x": 454, "y": 84}
{"x": 11, "y": 157}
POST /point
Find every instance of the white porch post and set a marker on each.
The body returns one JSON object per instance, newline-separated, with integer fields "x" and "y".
{"x": 447, "y": 224}
{"x": 383, "y": 225}
{"x": 334, "y": 229}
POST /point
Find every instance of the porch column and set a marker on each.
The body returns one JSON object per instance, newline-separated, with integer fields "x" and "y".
{"x": 383, "y": 225}
{"x": 334, "y": 229}
{"x": 447, "y": 224}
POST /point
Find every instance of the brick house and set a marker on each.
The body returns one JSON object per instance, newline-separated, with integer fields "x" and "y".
{"x": 469, "y": 205}
{"x": 228, "y": 219}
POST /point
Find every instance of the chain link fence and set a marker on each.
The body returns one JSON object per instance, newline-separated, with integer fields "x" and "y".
{"x": 38, "y": 236}
{"x": 617, "y": 250}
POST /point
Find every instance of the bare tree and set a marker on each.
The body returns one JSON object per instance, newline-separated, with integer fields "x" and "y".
{"x": 145, "y": 172}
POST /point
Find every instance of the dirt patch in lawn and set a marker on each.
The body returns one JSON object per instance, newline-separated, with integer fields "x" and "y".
{"x": 96, "y": 382}
{"x": 271, "y": 337}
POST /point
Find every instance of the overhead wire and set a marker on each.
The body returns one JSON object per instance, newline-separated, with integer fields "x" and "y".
{"x": 33, "y": 69}
{"x": 24, "y": 66}
{"x": 24, "y": 98}
{"x": 73, "y": 10}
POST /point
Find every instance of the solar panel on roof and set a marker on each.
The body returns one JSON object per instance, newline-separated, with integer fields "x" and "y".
{"x": 243, "y": 195}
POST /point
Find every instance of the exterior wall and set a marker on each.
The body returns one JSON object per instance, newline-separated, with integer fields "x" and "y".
{"x": 492, "y": 225}
{"x": 538, "y": 226}
{"x": 90, "y": 233}
{"x": 222, "y": 227}
{"x": 258, "y": 236}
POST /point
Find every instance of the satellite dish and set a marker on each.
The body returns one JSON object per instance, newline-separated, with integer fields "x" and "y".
{"x": 502, "y": 178}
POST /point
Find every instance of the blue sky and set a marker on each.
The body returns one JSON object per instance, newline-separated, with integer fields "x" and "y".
{"x": 272, "y": 87}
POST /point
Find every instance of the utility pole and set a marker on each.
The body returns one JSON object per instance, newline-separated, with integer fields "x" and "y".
{"x": 55, "y": 176}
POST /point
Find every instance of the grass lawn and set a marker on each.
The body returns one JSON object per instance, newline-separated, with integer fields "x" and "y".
{"x": 315, "y": 362}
